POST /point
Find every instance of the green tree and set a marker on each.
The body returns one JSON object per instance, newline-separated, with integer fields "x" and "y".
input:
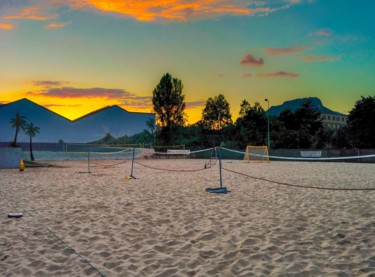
{"x": 31, "y": 130}
{"x": 169, "y": 106}
{"x": 216, "y": 114}
{"x": 244, "y": 108}
{"x": 299, "y": 129}
{"x": 151, "y": 125}
{"x": 361, "y": 123}
{"x": 191, "y": 136}
{"x": 309, "y": 124}
{"x": 18, "y": 122}
{"x": 251, "y": 125}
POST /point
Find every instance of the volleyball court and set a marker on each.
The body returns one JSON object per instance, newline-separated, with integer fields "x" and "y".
{"x": 134, "y": 157}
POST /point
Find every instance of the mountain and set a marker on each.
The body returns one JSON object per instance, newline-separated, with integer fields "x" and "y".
{"x": 293, "y": 105}
{"x": 54, "y": 127}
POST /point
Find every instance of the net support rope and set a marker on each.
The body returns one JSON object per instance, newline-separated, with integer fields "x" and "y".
{"x": 172, "y": 170}
{"x": 107, "y": 165}
{"x": 213, "y": 150}
{"x": 305, "y": 159}
{"x": 298, "y": 186}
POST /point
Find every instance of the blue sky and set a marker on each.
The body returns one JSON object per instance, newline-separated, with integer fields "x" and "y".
{"x": 76, "y": 56}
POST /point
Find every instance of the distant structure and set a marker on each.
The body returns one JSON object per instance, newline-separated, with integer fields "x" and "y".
{"x": 334, "y": 121}
{"x": 330, "y": 119}
{"x": 55, "y": 128}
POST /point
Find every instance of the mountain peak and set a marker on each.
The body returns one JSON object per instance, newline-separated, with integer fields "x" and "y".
{"x": 295, "y": 104}
{"x": 54, "y": 127}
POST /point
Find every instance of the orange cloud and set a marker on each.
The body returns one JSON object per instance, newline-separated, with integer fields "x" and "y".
{"x": 6, "y": 26}
{"x": 249, "y": 59}
{"x": 278, "y": 74}
{"x": 247, "y": 76}
{"x": 32, "y": 13}
{"x": 319, "y": 58}
{"x": 55, "y": 26}
{"x": 152, "y": 10}
{"x": 284, "y": 51}
{"x": 172, "y": 10}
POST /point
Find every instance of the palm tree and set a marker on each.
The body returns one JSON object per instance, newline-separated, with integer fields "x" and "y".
{"x": 31, "y": 130}
{"x": 19, "y": 121}
{"x": 151, "y": 125}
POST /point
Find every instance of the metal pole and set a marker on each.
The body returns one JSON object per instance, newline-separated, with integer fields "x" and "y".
{"x": 219, "y": 156}
{"x": 88, "y": 162}
{"x": 131, "y": 174}
{"x": 268, "y": 124}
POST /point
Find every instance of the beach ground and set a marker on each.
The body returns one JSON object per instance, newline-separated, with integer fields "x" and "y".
{"x": 164, "y": 223}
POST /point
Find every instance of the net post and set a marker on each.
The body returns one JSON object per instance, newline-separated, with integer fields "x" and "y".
{"x": 131, "y": 172}
{"x": 221, "y": 178}
{"x": 221, "y": 189}
{"x": 88, "y": 162}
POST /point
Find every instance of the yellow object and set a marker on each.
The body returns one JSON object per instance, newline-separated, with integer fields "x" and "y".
{"x": 257, "y": 154}
{"x": 22, "y": 166}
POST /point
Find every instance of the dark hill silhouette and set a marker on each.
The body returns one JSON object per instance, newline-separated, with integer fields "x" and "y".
{"x": 293, "y": 105}
{"x": 54, "y": 127}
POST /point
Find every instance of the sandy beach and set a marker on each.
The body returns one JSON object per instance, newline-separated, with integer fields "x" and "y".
{"x": 164, "y": 223}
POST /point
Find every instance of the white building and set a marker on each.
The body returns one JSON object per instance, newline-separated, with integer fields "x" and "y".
{"x": 334, "y": 121}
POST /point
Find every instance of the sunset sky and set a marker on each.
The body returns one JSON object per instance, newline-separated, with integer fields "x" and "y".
{"x": 76, "y": 56}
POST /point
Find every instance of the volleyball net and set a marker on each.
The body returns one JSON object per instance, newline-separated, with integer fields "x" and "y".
{"x": 129, "y": 157}
{"x": 80, "y": 151}
{"x": 250, "y": 153}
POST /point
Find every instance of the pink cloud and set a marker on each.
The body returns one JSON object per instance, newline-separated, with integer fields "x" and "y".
{"x": 55, "y": 26}
{"x": 46, "y": 84}
{"x": 279, "y": 74}
{"x": 69, "y": 92}
{"x": 284, "y": 51}
{"x": 249, "y": 59}
{"x": 62, "y": 105}
{"x": 121, "y": 96}
{"x": 247, "y": 75}
{"x": 195, "y": 104}
{"x": 323, "y": 33}
{"x": 319, "y": 58}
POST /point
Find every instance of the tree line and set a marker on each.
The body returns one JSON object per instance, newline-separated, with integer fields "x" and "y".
{"x": 302, "y": 129}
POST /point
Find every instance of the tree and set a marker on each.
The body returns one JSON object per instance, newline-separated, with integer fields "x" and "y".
{"x": 361, "y": 123}
{"x": 251, "y": 124}
{"x": 299, "y": 129}
{"x": 151, "y": 125}
{"x": 31, "y": 130}
{"x": 18, "y": 122}
{"x": 244, "y": 108}
{"x": 191, "y": 136}
{"x": 216, "y": 114}
{"x": 169, "y": 107}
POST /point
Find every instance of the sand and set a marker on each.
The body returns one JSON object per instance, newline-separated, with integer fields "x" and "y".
{"x": 163, "y": 223}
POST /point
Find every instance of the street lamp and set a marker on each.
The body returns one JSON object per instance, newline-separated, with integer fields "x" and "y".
{"x": 268, "y": 123}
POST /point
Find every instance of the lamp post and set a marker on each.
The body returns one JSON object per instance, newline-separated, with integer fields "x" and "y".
{"x": 268, "y": 123}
